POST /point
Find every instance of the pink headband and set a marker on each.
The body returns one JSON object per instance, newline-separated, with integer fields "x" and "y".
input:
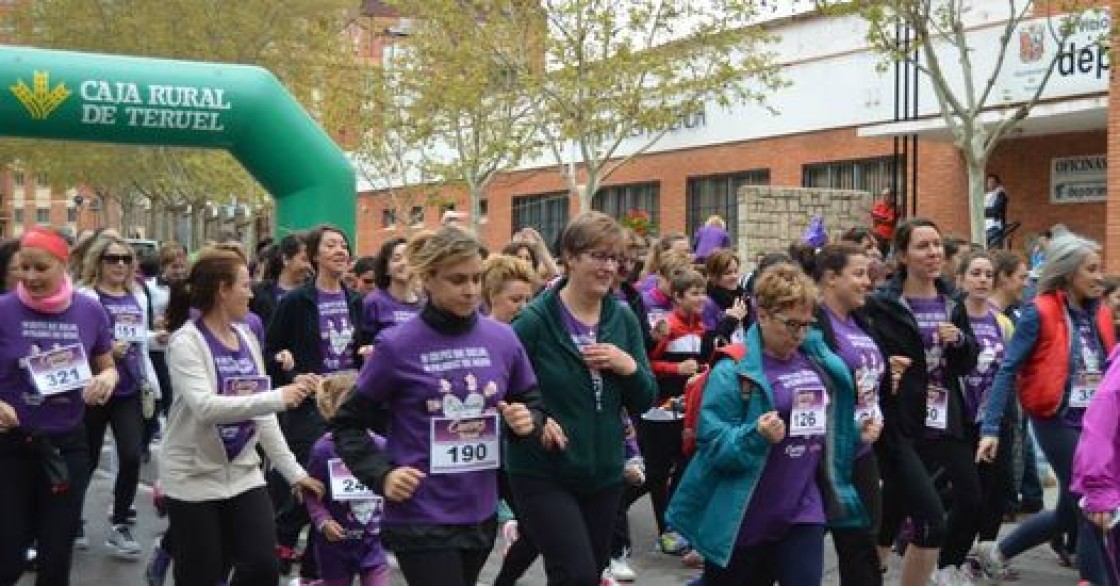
{"x": 46, "y": 240}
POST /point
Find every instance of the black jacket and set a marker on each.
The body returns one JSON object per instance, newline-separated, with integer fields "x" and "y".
{"x": 634, "y": 300}
{"x": 893, "y": 326}
{"x": 295, "y": 327}
{"x": 264, "y": 301}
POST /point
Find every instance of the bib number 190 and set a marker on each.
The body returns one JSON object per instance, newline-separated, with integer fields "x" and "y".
{"x": 467, "y": 453}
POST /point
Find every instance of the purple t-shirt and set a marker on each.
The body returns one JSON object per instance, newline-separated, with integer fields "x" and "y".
{"x": 251, "y": 321}
{"x": 584, "y": 335}
{"x": 928, "y": 313}
{"x": 360, "y": 549}
{"x": 124, "y": 309}
{"x": 237, "y": 375}
{"x": 24, "y": 332}
{"x": 710, "y": 239}
{"x": 978, "y": 383}
{"x": 335, "y": 331}
{"x": 787, "y": 493}
{"x": 1088, "y": 357}
{"x": 430, "y": 382}
{"x": 863, "y": 356}
{"x": 381, "y": 311}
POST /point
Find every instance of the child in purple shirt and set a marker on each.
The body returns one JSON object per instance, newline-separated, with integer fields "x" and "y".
{"x": 348, "y": 518}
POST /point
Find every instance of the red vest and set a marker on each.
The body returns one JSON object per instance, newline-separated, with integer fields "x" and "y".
{"x": 1042, "y": 379}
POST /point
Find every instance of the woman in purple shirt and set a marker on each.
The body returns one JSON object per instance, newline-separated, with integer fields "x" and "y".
{"x": 107, "y": 276}
{"x": 454, "y": 384}
{"x": 395, "y": 299}
{"x": 55, "y": 358}
{"x": 841, "y": 273}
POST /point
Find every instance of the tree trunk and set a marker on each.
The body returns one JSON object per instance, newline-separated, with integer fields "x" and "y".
{"x": 586, "y": 192}
{"x": 475, "y": 208}
{"x": 976, "y": 172}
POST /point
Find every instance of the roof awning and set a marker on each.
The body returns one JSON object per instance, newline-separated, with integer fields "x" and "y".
{"x": 1069, "y": 115}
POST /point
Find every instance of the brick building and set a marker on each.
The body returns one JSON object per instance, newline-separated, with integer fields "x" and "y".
{"x": 843, "y": 123}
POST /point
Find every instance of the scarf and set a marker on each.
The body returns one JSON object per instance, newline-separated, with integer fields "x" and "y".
{"x": 52, "y": 304}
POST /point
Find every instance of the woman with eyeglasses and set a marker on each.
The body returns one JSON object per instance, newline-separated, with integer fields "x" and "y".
{"x": 395, "y": 299}
{"x": 775, "y": 444}
{"x": 109, "y": 276}
{"x": 916, "y": 316}
{"x": 589, "y": 356}
{"x": 55, "y": 359}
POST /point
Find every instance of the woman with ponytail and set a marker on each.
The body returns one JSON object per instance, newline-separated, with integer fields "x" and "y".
{"x": 55, "y": 358}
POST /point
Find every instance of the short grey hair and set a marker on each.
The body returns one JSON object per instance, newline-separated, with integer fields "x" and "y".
{"x": 1064, "y": 256}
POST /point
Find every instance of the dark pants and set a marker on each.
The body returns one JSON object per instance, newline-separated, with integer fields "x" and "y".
{"x": 31, "y": 513}
{"x": 795, "y": 560}
{"x": 1030, "y": 486}
{"x": 997, "y": 479}
{"x": 958, "y": 459}
{"x": 620, "y": 538}
{"x": 660, "y": 442}
{"x": 1108, "y": 548}
{"x": 442, "y": 567}
{"x": 572, "y": 530}
{"x": 291, "y": 514}
{"x": 855, "y": 548}
{"x": 124, "y": 415}
{"x": 908, "y": 491}
{"x": 213, "y": 535}
{"x": 1058, "y": 442}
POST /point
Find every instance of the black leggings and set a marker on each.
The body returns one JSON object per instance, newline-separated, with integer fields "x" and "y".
{"x": 958, "y": 459}
{"x": 30, "y": 513}
{"x": 908, "y": 492}
{"x": 855, "y": 548}
{"x": 660, "y": 442}
{"x": 291, "y": 513}
{"x": 572, "y": 531}
{"x": 212, "y": 535}
{"x": 125, "y": 417}
{"x": 442, "y": 567}
{"x": 997, "y": 480}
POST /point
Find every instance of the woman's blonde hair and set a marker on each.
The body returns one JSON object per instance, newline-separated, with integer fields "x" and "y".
{"x": 91, "y": 263}
{"x": 500, "y": 269}
{"x": 428, "y": 250}
{"x": 715, "y": 220}
{"x": 333, "y": 391}
{"x": 673, "y": 263}
{"x": 660, "y": 249}
{"x": 784, "y": 286}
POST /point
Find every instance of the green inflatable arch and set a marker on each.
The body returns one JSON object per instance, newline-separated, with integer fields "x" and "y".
{"x": 129, "y": 100}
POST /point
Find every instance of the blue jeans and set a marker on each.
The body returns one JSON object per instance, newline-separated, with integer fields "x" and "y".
{"x": 1031, "y": 485}
{"x": 1058, "y": 441}
{"x": 794, "y": 560}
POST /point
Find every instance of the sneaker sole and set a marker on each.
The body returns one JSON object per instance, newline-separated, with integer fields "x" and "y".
{"x": 125, "y": 554}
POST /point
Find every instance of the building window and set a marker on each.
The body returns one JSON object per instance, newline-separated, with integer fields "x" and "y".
{"x": 547, "y": 213}
{"x": 617, "y": 200}
{"x": 19, "y": 178}
{"x": 872, "y": 175}
{"x": 719, "y": 195}
{"x": 483, "y": 207}
{"x": 42, "y": 215}
{"x": 41, "y": 180}
{"x": 388, "y": 218}
{"x": 17, "y": 215}
{"x": 416, "y": 215}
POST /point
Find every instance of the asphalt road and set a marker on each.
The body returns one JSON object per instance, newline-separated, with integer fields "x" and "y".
{"x": 96, "y": 567}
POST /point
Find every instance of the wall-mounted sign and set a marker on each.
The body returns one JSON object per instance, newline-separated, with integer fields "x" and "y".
{"x": 1081, "y": 179}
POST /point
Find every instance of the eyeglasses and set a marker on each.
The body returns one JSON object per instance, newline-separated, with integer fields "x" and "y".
{"x": 605, "y": 258}
{"x": 117, "y": 259}
{"x": 794, "y": 327}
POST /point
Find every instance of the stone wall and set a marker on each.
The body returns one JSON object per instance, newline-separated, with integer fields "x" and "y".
{"x": 772, "y": 217}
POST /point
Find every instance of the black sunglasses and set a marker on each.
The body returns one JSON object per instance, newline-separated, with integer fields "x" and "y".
{"x": 117, "y": 258}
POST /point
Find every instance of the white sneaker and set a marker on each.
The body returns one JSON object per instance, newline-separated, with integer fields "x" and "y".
{"x": 620, "y": 569}
{"x": 122, "y": 543}
{"x": 991, "y": 560}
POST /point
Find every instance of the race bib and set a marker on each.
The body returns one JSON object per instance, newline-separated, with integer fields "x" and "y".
{"x": 344, "y": 486}
{"x": 59, "y": 370}
{"x": 243, "y": 386}
{"x": 129, "y": 328}
{"x": 867, "y": 399}
{"x": 937, "y": 408}
{"x": 1084, "y": 386}
{"x": 462, "y": 445}
{"x": 808, "y": 415}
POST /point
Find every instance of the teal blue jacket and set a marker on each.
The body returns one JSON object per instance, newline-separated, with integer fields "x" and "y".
{"x": 711, "y": 501}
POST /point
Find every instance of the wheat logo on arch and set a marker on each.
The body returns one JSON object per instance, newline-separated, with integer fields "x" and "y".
{"x": 43, "y": 100}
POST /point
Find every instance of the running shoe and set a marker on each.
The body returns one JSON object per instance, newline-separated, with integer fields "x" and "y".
{"x": 156, "y": 571}
{"x": 620, "y": 569}
{"x": 122, "y": 543}
{"x": 991, "y": 560}
{"x": 672, "y": 543}
{"x": 81, "y": 541}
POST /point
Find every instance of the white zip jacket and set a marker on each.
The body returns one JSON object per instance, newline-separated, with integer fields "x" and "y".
{"x": 194, "y": 466}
